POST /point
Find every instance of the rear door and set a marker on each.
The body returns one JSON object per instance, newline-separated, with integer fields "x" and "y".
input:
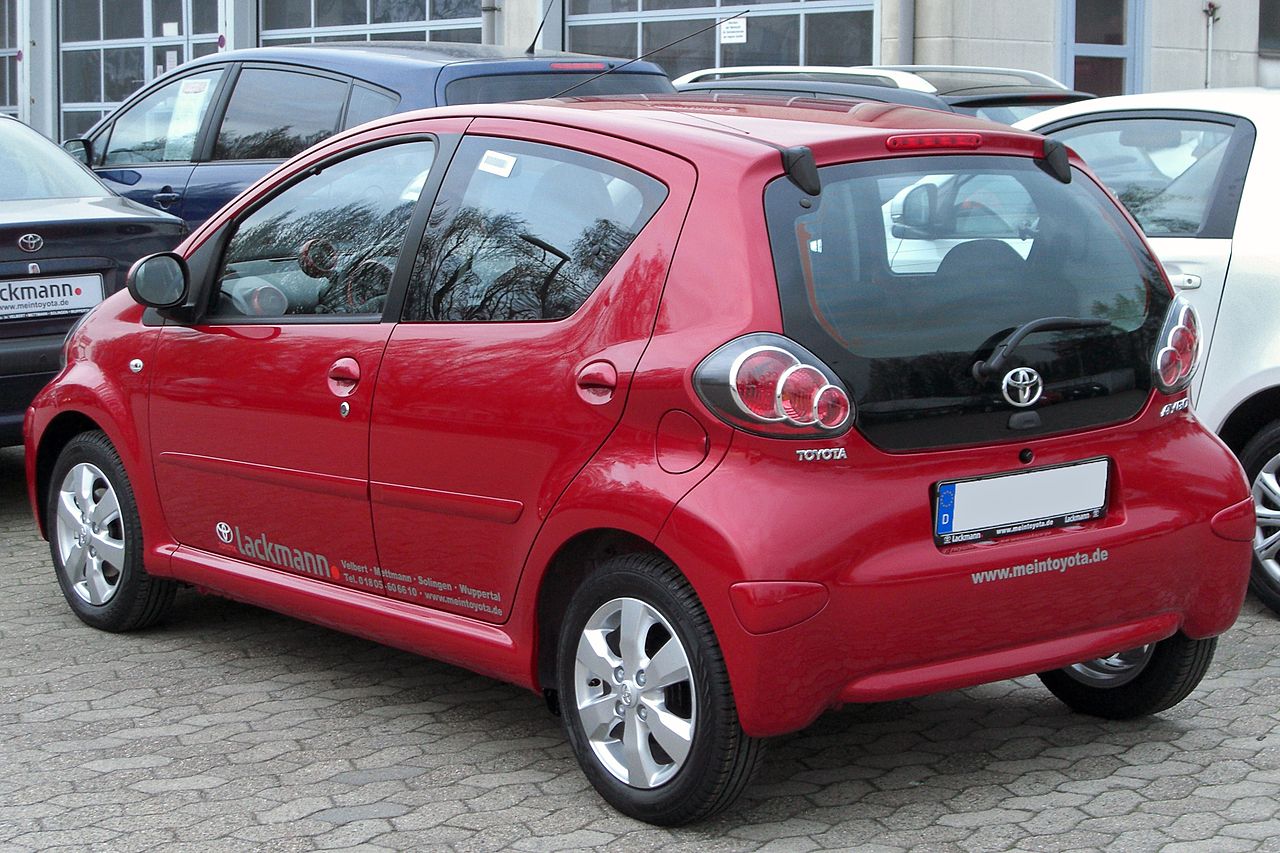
{"x": 149, "y": 151}
{"x": 1180, "y": 173}
{"x": 273, "y": 113}
{"x": 532, "y": 298}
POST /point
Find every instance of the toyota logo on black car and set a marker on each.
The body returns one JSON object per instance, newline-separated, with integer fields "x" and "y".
{"x": 30, "y": 242}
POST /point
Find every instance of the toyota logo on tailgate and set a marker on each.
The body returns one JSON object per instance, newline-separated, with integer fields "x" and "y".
{"x": 30, "y": 242}
{"x": 1022, "y": 386}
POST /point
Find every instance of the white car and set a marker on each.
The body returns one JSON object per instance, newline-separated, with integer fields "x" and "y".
{"x": 1191, "y": 168}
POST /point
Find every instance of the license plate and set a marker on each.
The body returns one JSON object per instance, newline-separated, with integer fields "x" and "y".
{"x": 44, "y": 297}
{"x": 1005, "y": 504}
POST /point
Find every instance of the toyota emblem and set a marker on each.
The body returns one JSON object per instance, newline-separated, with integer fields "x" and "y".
{"x": 30, "y": 242}
{"x": 1022, "y": 386}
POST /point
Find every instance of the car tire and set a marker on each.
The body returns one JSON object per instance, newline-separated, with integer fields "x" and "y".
{"x": 95, "y": 538}
{"x": 1134, "y": 683}
{"x": 1261, "y": 461}
{"x": 637, "y": 612}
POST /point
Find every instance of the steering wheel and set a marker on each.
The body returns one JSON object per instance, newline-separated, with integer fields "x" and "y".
{"x": 318, "y": 258}
{"x": 365, "y": 282}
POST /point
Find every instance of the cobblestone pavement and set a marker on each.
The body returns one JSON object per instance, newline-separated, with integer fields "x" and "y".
{"x": 229, "y": 727}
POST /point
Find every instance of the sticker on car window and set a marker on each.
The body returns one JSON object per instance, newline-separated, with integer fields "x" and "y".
{"x": 497, "y": 163}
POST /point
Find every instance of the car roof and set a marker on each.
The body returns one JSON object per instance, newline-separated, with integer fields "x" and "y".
{"x": 1261, "y": 106}
{"x": 957, "y": 79}
{"x": 366, "y": 58}
{"x": 745, "y": 129}
{"x": 871, "y": 77}
{"x": 797, "y": 84}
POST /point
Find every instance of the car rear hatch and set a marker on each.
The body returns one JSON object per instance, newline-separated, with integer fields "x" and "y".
{"x": 906, "y": 274}
{"x": 527, "y": 79}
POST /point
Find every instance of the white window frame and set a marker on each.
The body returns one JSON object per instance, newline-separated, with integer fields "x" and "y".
{"x": 1134, "y": 51}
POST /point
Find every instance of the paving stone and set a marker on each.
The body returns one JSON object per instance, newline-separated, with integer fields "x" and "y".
{"x": 230, "y": 728}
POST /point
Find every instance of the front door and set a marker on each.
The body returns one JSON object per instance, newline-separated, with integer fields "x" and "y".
{"x": 260, "y": 413}
{"x": 532, "y": 298}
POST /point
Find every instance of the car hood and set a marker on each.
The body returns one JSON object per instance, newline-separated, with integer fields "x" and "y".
{"x": 42, "y": 211}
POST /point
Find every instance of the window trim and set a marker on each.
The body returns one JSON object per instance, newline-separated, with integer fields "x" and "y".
{"x": 1220, "y": 219}
{"x": 445, "y": 146}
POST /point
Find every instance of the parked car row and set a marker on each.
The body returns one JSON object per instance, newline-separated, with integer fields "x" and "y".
{"x": 627, "y": 399}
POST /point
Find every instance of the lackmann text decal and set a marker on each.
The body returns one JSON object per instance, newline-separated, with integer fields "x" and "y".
{"x": 19, "y": 292}
{"x": 264, "y": 550}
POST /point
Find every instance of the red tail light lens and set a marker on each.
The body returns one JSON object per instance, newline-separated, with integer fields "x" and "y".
{"x": 770, "y": 385}
{"x": 1178, "y": 350}
{"x": 920, "y": 141}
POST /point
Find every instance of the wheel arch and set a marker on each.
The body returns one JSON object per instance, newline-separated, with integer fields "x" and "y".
{"x": 61, "y": 430}
{"x": 570, "y": 564}
{"x": 1249, "y": 417}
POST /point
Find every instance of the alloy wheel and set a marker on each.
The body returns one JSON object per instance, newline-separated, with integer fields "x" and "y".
{"x": 90, "y": 534}
{"x": 1266, "y": 499}
{"x": 634, "y": 692}
{"x": 1112, "y": 671}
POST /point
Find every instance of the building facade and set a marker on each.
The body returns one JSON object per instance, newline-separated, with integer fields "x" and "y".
{"x": 64, "y": 63}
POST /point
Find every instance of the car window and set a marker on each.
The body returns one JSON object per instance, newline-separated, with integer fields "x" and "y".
{"x": 275, "y": 114}
{"x": 328, "y": 244}
{"x": 34, "y": 168}
{"x": 162, "y": 127}
{"x": 367, "y": 105}
{"x": 523, "y": 231}
{"x": 1164, "y": 171}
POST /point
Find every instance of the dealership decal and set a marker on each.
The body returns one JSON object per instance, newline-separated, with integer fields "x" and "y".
{"x": 264, "y": 550}
{"x": 1037, "y": 567}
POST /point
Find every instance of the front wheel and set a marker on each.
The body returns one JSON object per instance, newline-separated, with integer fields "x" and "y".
{"x": 1136, "y": 682}
{"x": 1261, "y": 461}
{"x": 645, "y": 695}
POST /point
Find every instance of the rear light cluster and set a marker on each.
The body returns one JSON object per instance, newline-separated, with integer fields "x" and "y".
{"x": 770, "y": 385}
{"x": 1178, "y": 348}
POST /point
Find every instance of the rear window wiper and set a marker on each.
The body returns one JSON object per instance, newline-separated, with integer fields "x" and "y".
{"x": 1000, "y": 355}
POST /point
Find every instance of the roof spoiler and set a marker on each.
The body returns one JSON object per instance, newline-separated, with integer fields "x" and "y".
{"x": 1055, "y": 160}
{"x": 802, "y": 169}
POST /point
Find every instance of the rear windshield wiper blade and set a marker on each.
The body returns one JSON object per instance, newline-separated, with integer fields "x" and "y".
{"x": 1000, "y": 355}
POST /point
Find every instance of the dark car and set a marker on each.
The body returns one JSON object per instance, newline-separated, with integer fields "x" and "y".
{"x": 698, "y": 419}
{"x": 1005, "y": 95}
{"x": 66, "y": 241}
{"x": 196, "y": 137}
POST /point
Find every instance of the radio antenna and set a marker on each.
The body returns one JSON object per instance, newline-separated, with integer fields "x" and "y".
{"x": 649, "y": 53}
{"x": 530, "y": 51}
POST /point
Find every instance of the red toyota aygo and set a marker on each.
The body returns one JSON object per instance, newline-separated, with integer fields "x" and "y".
{"x": 699, "y": 417}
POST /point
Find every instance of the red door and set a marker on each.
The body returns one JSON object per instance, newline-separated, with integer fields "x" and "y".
{"x": 260, "y": 415}
{"x": 533, "y": 297}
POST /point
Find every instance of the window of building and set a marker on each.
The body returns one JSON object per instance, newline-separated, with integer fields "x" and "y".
{"x": 526, "y": 232}
{"x": 9, "y": 57}
{"x": 1102, "y": 52}
{"x": 307, "y": 21}
{"x": 111, "y": 48}
{"x": 1269, "y": 26}
{"x": 777, "y": 33}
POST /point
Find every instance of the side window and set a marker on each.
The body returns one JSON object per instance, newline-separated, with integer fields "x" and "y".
{"x": 1165, "y": 171}
{"x": 368, "y": 104}
{"x": 275, "y": 114}
{"x": 162, "y": 127}
{"x": 523, "y": 231}
{"x": 327, "y": 244}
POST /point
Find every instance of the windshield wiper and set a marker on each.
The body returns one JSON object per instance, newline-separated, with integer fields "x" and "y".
{"x": 1000, "y": 355}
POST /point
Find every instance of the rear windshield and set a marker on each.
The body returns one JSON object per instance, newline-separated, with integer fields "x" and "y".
{"x": 497, "y": 88}
{"x": 904, "y": 272}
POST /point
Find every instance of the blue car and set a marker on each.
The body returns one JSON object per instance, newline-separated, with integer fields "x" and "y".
{"x": 199, "y": 135}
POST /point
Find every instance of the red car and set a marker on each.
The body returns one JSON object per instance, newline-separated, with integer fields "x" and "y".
{"x": 701, "y": 418}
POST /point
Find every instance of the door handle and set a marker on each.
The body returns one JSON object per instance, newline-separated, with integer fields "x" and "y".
{"x": 166, "y": 196}
{"x": 344, "y": 376}
{"x": 596, "y": 382}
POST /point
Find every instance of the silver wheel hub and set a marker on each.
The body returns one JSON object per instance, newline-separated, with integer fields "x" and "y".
{"x": 1112, "y": 671}
{"x": 1266, "y": 500}
{"x": 634, "y": 692}
{"x": 89, "y": 534}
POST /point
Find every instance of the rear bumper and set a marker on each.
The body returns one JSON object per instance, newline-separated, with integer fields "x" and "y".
{"x": 904, "y": 617}
{"x": 26, "y": 366}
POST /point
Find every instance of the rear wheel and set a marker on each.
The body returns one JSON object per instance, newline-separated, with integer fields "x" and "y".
{"x": 1136, "y": 682}
{"x": 645, "y": 696}
{"x": 95, "y": 538}
{"x": 1261, "y": 461}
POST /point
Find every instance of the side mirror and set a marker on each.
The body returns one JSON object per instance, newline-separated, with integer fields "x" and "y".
{"x": 918, "y": 206}
{"x": 81, "y": 149}
{"x": 159, "y": 281}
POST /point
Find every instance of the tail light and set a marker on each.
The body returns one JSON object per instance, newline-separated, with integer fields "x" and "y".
{"x": 1178, "y": 348}
{"x": 769, "y": 385}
